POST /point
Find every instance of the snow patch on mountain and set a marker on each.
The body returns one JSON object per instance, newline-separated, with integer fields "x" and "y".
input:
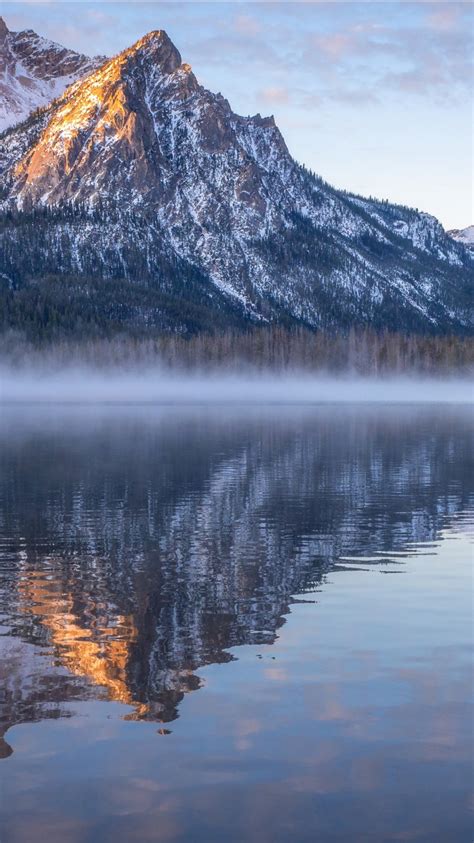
{"x": 34, "y": 71}
{"x": 464, "y": 236}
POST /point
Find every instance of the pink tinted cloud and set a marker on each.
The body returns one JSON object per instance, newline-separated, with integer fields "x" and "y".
{"x": 275, "y": 95}
{"x": 445, "y": 18}
{"x": 246, "y": 25}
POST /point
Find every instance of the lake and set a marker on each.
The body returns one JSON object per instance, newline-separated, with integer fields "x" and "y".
{"x": 236, "y": 624}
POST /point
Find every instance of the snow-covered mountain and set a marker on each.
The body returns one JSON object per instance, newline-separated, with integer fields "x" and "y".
{"x": 139, "y": 175}
{"x": 33, "y": 71}
{"x": 464, "y": 236}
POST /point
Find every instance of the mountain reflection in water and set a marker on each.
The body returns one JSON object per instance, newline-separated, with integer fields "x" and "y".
{"x": 138, "y": 546}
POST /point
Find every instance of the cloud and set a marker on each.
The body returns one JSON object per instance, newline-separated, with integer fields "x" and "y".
{"x": 233, "y": 49}
{"x": 246, "y": 25}
{"x": 336, "y": 44}
{"x": 274, "y": 95}
{"x": 445, "y": 18}
{"x": 356, "y": 97}
{"x": 429, "y": 56}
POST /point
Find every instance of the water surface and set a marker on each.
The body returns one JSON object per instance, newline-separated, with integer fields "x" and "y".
{"x": 236, "y": 625}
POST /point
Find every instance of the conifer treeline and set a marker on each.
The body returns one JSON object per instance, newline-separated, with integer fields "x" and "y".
{"x": 363, "y": 352}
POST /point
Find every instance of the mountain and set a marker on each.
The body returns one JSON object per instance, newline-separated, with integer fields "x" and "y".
{"x": 34, "y": 70}
{"x": 139, "y": 200}
{"x": 464, "y": 236}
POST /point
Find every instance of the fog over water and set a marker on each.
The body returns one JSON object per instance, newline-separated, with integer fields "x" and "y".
{"x": 155, "y": 385}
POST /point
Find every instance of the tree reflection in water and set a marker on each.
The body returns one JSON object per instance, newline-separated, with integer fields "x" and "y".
{"x": 139, "y": 546}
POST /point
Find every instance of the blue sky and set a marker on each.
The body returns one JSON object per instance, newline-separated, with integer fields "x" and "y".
{"x": 375, "y": 96}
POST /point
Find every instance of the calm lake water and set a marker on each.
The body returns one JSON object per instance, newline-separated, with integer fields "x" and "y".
{"x": 236, "y": 624}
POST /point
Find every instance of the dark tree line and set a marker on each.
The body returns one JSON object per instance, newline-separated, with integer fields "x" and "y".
{"x": 362, "y": 352}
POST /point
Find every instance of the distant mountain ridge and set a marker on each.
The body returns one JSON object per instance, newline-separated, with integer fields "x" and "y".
{"x": 170, "y": 212}
{"x": 464, "y": 236}
{"x": 33, "y": 71}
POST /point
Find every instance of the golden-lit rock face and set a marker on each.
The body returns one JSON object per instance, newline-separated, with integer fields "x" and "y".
{"x": 100, "y": 125}
{"x": 140, "y": 140}
{"x": 128, "y": 130}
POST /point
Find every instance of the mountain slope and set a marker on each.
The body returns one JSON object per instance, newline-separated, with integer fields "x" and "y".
{"x": 139, "y": 175}
{"x": 464, "y": 236}
{"x": 34, "y": 70}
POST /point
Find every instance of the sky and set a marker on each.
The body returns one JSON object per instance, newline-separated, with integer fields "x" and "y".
{"x": 376, "y": 97}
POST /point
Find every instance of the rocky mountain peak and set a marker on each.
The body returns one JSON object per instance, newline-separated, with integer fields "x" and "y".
{"x": 157, "y": 48}
{"x": 151, "y": 58}
{"x": 33, "y": 71}
{"x": 140, "y": 122}
{"x": 137, "y": 169}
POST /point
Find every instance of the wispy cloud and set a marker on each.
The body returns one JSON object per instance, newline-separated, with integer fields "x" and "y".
{"x": 246, "y": 25}
{"x": 445, "y": 17}
{"x": 274, "y": 95}
{"x": 432, "y": 58}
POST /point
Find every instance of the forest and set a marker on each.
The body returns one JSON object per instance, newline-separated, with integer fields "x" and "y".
{"x": 273, "y": 348}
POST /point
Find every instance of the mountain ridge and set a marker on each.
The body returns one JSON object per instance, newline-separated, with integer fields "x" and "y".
{"x": 463, "y": 235}
{"x": 140, "y": 152}
{"x": 33, "y": 71}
